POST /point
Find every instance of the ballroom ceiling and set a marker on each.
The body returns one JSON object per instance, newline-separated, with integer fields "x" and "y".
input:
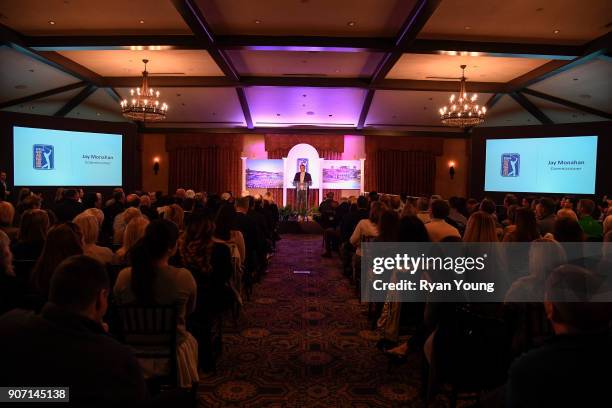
{"x": 381, "y": 65}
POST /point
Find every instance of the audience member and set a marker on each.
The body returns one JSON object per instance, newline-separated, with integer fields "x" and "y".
{"x": 367, "y": 228}
{"x": 32, "y": 235}
{"x": 68, "y": 207}
{"x": 567, "y": 229}
{"x": 526, "y": 228}
{"x": 225, "y": 232}
{"x": 133, "y": 232}
{"x": 592, "y": 229}
{"x": 437, "y": 227}
{"x": 422, "y": 205}
{"x": 121, "y": 221}
{"x": 545, "y": 213}
{"x": 480, "y": 228}
{"x": 90, "y": 227}
{"x": 7, "y": 214}
{"x": 152, "y": 281}
{"x": 566, "y": 370}
{"x": 67, "y": 345}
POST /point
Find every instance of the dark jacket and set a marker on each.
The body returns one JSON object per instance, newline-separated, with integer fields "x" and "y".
{"x": 307, "y": 177}
{"x": 567, "y": 371}
{"x": 59, "y": 348}
{"x": 350, "y": 221}
{"x": 66, "y": 209}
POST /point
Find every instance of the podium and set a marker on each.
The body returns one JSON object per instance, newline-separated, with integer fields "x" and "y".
{"x": 301, "y": 196}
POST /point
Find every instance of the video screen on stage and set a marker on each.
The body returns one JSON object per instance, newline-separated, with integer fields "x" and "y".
{"x": 342, "y": 174}
{"x": 48, "y": 157}
{"x": 264, "y": 173}
{"x": 542, "y": 165}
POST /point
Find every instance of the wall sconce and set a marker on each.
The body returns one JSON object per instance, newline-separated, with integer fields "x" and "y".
{"x": 451, "y": 169}
{"x": 156, "y": 165}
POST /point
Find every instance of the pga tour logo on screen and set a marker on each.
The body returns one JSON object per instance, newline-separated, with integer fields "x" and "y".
{"x": 510, "y": 164}
{"x": 43, "y": 156}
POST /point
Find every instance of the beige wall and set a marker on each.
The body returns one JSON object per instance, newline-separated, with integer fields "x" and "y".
{"x": 154, "y": 145}
{"x": 454, "y": 150}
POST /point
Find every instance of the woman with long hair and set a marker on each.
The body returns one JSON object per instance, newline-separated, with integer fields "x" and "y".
{"x": 480, "y": 228}
{"x": 63, "y": 241}
{"x": 388, "y": 227}
{"x": 133, "y": 232}
{"x": 32, "y": 235}
{"x": 224, "y": 230}
{"x": 91, "y": 229}
{"x": 152, "y": 281}
{"x": 526, "y": 226}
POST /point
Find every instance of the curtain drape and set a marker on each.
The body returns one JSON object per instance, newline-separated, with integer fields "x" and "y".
{"x": 401, "y": 164}
{"x": 205, "y": 162}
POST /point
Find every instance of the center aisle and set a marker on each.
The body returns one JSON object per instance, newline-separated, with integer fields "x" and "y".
{"x": 303, "y": 341}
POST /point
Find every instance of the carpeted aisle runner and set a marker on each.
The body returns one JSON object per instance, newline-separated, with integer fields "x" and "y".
{"x": 303, "y": 341}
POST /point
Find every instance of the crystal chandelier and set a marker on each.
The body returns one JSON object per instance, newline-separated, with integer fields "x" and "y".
{"x": 462, "y": 111}
{"x": 144, "y": 105}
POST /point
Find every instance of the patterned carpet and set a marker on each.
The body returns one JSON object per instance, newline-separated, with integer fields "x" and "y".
{"x": 302, "y": 341}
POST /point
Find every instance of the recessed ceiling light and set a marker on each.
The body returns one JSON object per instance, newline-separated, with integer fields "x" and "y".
{"x": 351, "y": 24}
{"x": 51, "y": 22}
{"x": 330, "y": 115}
{"x": 539, "y": 9}
{"x": 304, "y": 61}
{"x": 31, "y": 70}
{"x": 467, "y": 27}
{"x": 214, "y": 114}
{"x": 303, "y": 95}
{"x": 310, "y": 113}
{"x": 337, "y": 70}
{"x": 257, "y": 21}
{"x": 278, "y": 114}
{"x": 178, "y": 94}
{"x": 183, "y": 104}
{"x": 141, "y": 21}
{"x": 575, "y": 79}
{"x": 98, "y": 113}
{"x": 556, "y": 31}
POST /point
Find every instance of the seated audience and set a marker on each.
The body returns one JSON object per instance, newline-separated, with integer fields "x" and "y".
{"x": 526, "y": 227}
{"x": 545, "y": 214}
{"x": 121, "y": 221}
{"x": 7, "y": 214}
{"x": 133, "y": 232}
{"x": 152, "y": 281}
{"x": 67, "y": 345}
{"x": 32, "y": 235}
{"x": 591, "y": 227}
{"x": 63, "y": 241}
{"x": 69, "y": 206}
{"x": 437, "y": 227}
{"x": 91, "y": 228}
{"x": 567, "y": 370}
{"x": 367, "y": 228}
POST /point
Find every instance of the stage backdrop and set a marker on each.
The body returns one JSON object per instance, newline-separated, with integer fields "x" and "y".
{"x": 342, "y": 174}
{"x": 264, "y": 173}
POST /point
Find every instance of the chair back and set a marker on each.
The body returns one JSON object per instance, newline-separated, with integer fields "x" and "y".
{"x": 151, "y": 332}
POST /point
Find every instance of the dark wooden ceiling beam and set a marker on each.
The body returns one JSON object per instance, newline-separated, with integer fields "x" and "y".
{"x": 590, "y": 51}
{"x": 493, "y": 100}
{"x": 417, "y": 18}
{"x": 194, "y": 18}
{"x": 531, "y": 108}
{"x": 569, "y": 104}
{"x": 76, "y": 101}
{"x": 44, "y": 94}
{"x": 310, "y": 82}
{"x": 112, "y": 42}
{"x": 244, "y": 104}
{"x": 367, "y": 102}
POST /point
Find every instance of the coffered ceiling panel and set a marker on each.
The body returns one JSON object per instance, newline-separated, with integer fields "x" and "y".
{"x": 279, "y": 106}
{"x": 88, "y": 17}
{"x": 98, "y": 106}
{"x": 589, "y": 84}
{"x": 562, "y": 114}
{"x": 22, "y": 76}
{"x": 551, "y": 21}
{"x": 349, "y": 18}
{"x": 507, "y": 112}
{"x": 479, "y": 69}
{"x": 161, "y": 62}
{"x": 308, "y": 63}
{"x": 409, "y": 108}
{"x": 214, "y": 107}
{"x": 45, "y": 106}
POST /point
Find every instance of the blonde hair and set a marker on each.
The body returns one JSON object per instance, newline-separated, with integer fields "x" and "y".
{"x": 480, "y": 228}
{"x": 607, "y": 224}
{"x": 7, "y": 213}
{"x": 89, "y": 227}
{"x": 175, "y": 214}
{"x": 133, "y": 232}
{"x": 95, "y": 212}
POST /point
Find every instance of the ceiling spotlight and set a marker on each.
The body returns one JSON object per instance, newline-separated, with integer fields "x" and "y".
{"x": 278, "y": 114}
{"x": 141, "y": 21}
{"x": 556, "y": 31}
{"x": 257, "y": 21}
{"x": 310, "y": 113}
{"x": 575, "y": 79}
{"x": 351, "y": 24}
{"x": 539, "y": 9}
{"x": 51, "y": 22}
{"x": 467, "y": 27}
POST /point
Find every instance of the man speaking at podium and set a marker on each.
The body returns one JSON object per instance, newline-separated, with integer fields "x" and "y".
{"x": 302, "y": 182}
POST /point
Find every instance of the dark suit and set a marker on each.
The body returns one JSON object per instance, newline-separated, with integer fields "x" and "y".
{"x": 302, "y": 195}
{"x": 66, "y": 209}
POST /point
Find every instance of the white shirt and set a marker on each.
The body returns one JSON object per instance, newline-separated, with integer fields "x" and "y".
{"x": 302, "y": 176}
{"x": 439, "y": 229}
